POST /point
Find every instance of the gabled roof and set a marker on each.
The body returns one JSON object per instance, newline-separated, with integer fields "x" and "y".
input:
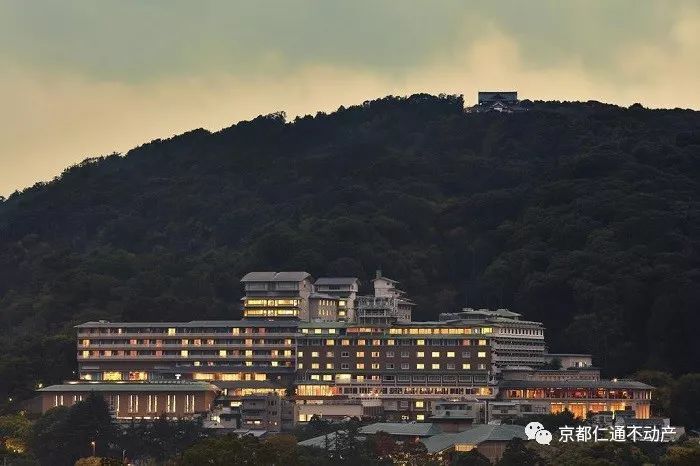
{"x": 275, "y": 277}
{"x": 418, "y": 429}
{"x": 608, "y": 384}
{"x": 337, "y": 281}
{"x": 474, "y": 435}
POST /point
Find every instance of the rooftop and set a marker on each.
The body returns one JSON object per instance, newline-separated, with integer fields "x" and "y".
{"x": 275, "y": 277}
{"x": 608, "y": 384}
{"x": 418, "y": 429}
{"x": 192, "y": 323}
{"x": 131, "y": 387}
{"x": 336, "y": 281}
{"x": 474, "y": 435}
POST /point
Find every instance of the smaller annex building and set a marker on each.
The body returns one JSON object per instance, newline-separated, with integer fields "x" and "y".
{"x": 143, "y": 400}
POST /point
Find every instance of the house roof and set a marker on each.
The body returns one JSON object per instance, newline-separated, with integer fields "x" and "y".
{"x": 321, "y": 296}
{"x": 275, "y": 277}
{"x": 418, "y": 429}
{"x": 609, "y": 384}
{"x": 474, "y": 435}
{"x": 131, "y": 387}
{"x": 336, "y": 281}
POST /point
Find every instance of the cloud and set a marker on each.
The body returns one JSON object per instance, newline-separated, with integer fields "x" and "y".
{"x": 81, "y": 80}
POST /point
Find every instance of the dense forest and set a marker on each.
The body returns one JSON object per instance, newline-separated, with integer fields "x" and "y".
{"x": 585, "y": 216}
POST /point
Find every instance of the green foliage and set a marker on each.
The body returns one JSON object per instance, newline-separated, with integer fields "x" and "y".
{"x": 229, "y": 449}
{"x": 470, "y": 458}
{"x": 684, "y": 403}
{"x": 517, "y": 454}
{"x": 685, "y": 454}
{"x": 62, "y": 435}
{"x": 551, "y": 422}
{"x": 584, "y": 216}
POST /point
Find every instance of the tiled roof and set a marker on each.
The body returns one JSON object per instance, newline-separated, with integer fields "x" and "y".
{"x": 609, "y": 384}
{"x": 419, "y": 429}
{"x": 474, "y": 435}
{"x": 336, "y": 281}
{"x": 275, "y": 276}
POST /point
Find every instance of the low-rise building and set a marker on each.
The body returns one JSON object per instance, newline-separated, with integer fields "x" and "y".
{"x": 489, "y": 440}
{"x": 141, "y": 400}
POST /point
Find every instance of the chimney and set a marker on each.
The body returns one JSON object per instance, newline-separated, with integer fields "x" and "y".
{"x": 378, "y": 274}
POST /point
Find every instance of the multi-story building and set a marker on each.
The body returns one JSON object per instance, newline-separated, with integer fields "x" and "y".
{"x": 514, "y": 342}
{"x": 387, "y": 306}
{"x": 345, "y": 290}
{"x": 293, "y": 343}
{"x": 277, "y": 295}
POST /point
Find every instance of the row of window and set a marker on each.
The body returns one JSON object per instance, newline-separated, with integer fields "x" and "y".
{"x": 391, "y": 354}
{"x": 391, "y": 366}
{"x": 133, "y": 405}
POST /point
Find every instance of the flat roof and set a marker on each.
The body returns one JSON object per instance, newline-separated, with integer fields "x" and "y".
{"x": 275, "y": 277}
{"x": 609, "y": 384}
{"x": 131, "y": 387}
{"x": 194, "y": 323}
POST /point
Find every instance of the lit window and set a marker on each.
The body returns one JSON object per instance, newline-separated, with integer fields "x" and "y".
{"x": 222, "y": 353}
{"x": 450, "y": 354}
{"x": 171, "y": 331}
{"x": 436, "y": 366}
{"x": 420, "y": 417}
{"x": 360, "y": 354}
{"x": 390, "y": 342}
{"x": 420, "y": 404}
{"x": 112, "y": 376}
{"x": 329, "y": 365}
{"x": 420, "y": 366}
{"x": 184, "y": 353}
{"x": 482, "y": 342}
{"x": 361, "y": 342}
{"x": 300, "y": 353}
{"x": 314, "y": 354}
{"x": 329, "y": 354}
{"x": 360, "y": 365}
{"x": 314, "y": 365}
{"x": 375, "y": 365}
{"x": 481, "y": 354}
{"x": 345, "y": 342}
{"x": 466, "y": 366}
{"x": 420, "y": 342}
{"x": 331, "y": 330}
{"x": 435, "y": 354}
{"x": 420, "y": 354}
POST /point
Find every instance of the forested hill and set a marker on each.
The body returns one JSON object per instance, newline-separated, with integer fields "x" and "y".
{"x": 585, "y": 216}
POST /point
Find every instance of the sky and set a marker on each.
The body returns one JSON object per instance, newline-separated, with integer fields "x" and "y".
{"x": 85, "y": 78}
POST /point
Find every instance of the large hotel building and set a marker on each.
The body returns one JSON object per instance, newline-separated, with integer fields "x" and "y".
{"x": 309, "y": 347}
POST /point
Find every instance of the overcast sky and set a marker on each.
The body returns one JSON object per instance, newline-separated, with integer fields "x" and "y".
{"x": 87, "y": 78}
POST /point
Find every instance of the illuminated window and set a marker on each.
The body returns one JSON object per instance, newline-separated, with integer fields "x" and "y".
{"x": 171, "y": 331}
{"x": 345, "y": 342}
{"x": 482, "y": 342}
{"x": 375, "y": 365}
{"x": 331, "y": 330}
{"x": 436, "y": 366}
{"x": 435, "y": 354}
{"x": 420, "y": 342}
{"x": 420, "y": 417}
{"x": 314, "y": 365}
{"x": 300, "y": 353}
{"x": 375, "y": 354}
{"x": 466, "y": 366}
{"x": 420, "y": 366}
{"x": 360, "y": 365}
{"x": 184, "y": 353}
{"x": 138, "y": 376}
{"x": 315, "y": 377}
{"x": 274, "y": 363}
{"x": 329, "y": 354}
{"x": 111, "y": 376}
{"x": 330, "y": 342}
{"x": 420, "y": 404}
{"x": 360, "y": 354}
{"x": 170, "y": 403}
{"x": 133, "y": 403}
{"x": 152, "y": 403}
{"x": 420, "y": 354}
{"x": 317, "y": 330}
{"x": 314, "y": 354}
{"x": 327, "y": 377}
{"x": 86, "y": 354}
{"x": 329, "y": 365}
{"x": 450, "y": 354}
{"x": 222, "y": 353}
{"x": 390, "y": 342}
{"x": 361, "y": 342}
{"x": 481, "y": 354}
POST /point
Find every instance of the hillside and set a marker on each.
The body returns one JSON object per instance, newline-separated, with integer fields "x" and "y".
{"x": 585, "y": 216}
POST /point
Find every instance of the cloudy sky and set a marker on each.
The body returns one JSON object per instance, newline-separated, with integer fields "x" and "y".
{"x": 92, "y": 77}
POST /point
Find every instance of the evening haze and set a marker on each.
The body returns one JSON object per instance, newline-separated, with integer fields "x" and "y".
{"x": 82, "y": 79}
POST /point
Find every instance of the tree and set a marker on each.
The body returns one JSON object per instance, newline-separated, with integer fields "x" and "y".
{"x": 684, "y": 403}
{"x": 470, "y": 458}
{"x": 517, "y": 454}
